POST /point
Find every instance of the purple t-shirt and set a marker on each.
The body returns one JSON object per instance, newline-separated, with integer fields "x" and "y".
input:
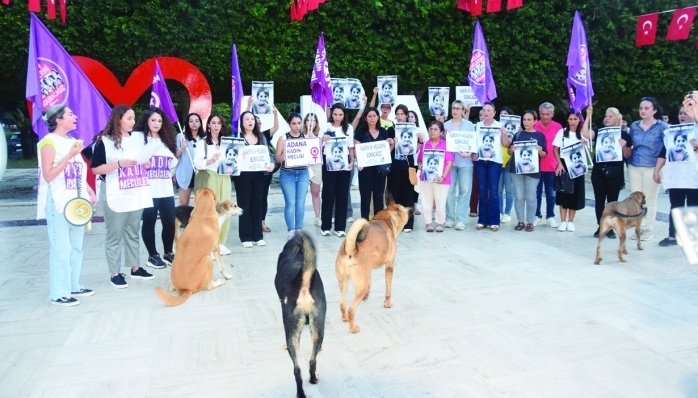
{"x": 448, "y": 157}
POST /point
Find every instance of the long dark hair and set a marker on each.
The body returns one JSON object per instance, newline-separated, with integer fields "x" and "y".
{"x": 223, "y": 132}
{"x": 364, "y": 121}
{"x": 167, "y": 131}
{"x": 113, "y": 130}
{"x": 256, "y": 130}
{"x": 566, "y": 131}
{"x": 416, "y": 118}
{"x": 345, "y": 119}
{"x": 188, "y": 134}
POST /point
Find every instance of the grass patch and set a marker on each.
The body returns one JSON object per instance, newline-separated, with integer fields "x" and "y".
{"x": 21, "y": 163}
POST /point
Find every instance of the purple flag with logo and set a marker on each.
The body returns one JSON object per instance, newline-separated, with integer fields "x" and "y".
{"x": 160, "y": 97}
{"x": 320, "y": 88}
{"x": 480, "y": 75}
{"x": 238, "y": 94}
{"x": 53, "y": 78}
{"x": 578, "y": 68}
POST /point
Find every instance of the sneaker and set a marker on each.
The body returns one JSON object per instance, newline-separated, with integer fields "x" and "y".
{"x": 350, "y": 220}
{"x": 668, "y": 242}
{"x": 224, "y": 250}
{"x": 291, "y": 234}
{"x": 646, "y": 234}
{"x": 168, "y": 258}
{"x": 65, "y": 302}
{"x": 83, "y": 293}
{"x": 141, "y": 273}
{"x": 536, "y": 221}
{"x": 506, "y": 218}
{"x": 460, "y": 226}
{"x": 449, "y": 224}
{"x": 407, "y": 230}
{"x": 562, "y": 227}
{"x": 340, "y": 233}
{"x": 318, "y": 221}
{"x": 611, "y": 235}
{"x": 156, "y": 262}
{"x": 552, "y": 222}
{"x": 247, "y": 245}
{"x": 570, "y": 227}
{"x": 118, "y": 281}
{"x": 260, "y": 242}
{"x": 325, "y": 233}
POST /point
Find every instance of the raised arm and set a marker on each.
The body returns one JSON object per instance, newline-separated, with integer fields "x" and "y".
{"x": 375, "y": 95}
{"x": 275, "y": 127}
{"x": 357, "y": 119}
{"x": 586, "y": 128}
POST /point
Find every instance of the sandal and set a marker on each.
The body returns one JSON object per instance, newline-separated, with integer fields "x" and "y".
{"x": 520, "y": 226}
{"x": 265, "y": 228}
{"x": 529, "y": 227}
{"x": 494, "y": 228}
{"x": 439, "y": 228}
{"x": 430, "y": 228}
{"x": 479, "y": 227}
{"x": 473, "y": 214}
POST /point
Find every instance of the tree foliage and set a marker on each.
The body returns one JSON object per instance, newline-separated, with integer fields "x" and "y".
{"x": 424, "y": 42}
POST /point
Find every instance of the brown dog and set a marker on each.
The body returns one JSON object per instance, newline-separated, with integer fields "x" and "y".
{"x": 368, "y": 245}
{"x": 620, "y": 216}
{"x": 192, "y": 268}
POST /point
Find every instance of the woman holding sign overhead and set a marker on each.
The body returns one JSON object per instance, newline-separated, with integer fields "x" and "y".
{"x": 371, "y": 179}
{"x": 293, "y": 180}
{"x": 435, "y": 180}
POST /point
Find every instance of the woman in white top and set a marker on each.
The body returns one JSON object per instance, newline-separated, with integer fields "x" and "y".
{"x": 157, "y": 128}
{"x": 571, "y": 134}
{"x": 311, "y": 128}
{"x": 62, "y": 170}
{"x": 126, "y": 193}
{"x": 186, "y": 145}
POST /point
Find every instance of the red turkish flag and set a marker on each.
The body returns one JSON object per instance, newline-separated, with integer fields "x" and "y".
{"x": 475, "y": 7}
{"x": 681, "y": 23}
{"x": 494, "y": 5}
{"x": 511, "y": 4}
{"x": 464, "y": 5}
{"x": 646, "y": 29}
{"x": 51, "y": 9}
{"x": 34, "y": 5}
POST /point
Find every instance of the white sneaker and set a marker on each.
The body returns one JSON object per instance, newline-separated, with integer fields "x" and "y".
{"x": 536, "y": 221}
{"x": 340, "y": 233}
{"x": 552, "y": 222}
{"x": 224, "y": 250}
{"x": 318, "y": 221}
{"x": 460, "y": 226}
{"x": 505, "y": 218}
{"x": 325, "y": 233}
{"x": 260, "y": 242}
{"x": 350, "y": 219}
{"x": 646, "y": 234}
{"x": 562, "y": 227}
{"x": 570, "y": 227}
{"x": 247, "y": 245}
{"x": 407, "y": 230}
{"x": 449, "y": 224}
{"x": 290, "y": 234}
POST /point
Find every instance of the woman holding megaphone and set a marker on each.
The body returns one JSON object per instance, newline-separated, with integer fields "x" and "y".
{"x": 63, "y": 178}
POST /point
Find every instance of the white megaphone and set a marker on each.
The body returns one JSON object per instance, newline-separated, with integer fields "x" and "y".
{"x": 78, "y": 211}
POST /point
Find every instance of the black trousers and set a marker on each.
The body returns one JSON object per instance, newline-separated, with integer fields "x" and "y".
{"x": 335, "y": 191}
{"x": 401, "y": 189}
{"x": 265, "y": 194}
{"x": 371, "y": 185}
{"x": 249, "y": 186}
{"x": 680, "y": 197}
{"x": 166, "y": 207}
{"x": 606, "y": 190}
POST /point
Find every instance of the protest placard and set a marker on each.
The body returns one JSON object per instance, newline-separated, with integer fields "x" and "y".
{"x": 302, "y": 152}
{"x": 373, "y": 153}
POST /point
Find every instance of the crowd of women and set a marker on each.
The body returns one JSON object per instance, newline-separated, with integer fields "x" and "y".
{"x": 133, "y": 189}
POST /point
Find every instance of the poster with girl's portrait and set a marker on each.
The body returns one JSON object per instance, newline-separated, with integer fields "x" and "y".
{"x": 432, "y": 165}
{"x": 263, "y": 94}
{"x": 575, "y": 157}
{"x": 526, "y": 157}
{"x": 405, "y": 140}
{"x": 338, "y": 90}
{"x": 336, "y": 154}
{"x": 353, "y": 92}
{"x": 676, "y": 142}
{"x": 230, "y": 151}
{"x": 438, "y": 101}
{"x": 387, "y": 90}
{"x": 512, "y": 123}
{"x": 489, "y": 144}
{"x": 608, "y": 145}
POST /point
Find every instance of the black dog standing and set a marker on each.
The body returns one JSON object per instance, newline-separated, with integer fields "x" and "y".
{"x": 302, "y": 297}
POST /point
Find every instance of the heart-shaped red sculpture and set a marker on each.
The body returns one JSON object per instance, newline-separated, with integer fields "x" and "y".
{"x": 142, "y": 78}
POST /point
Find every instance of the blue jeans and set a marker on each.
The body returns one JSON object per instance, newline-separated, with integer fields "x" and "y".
{"x": 458, "y": 201}
{"x": 294, "y": 185}
{"x": 65, "y": 252}
{"x": 506, "y": 185}
{"x": 488, "y": 174}
{"x": 547, "y": 178}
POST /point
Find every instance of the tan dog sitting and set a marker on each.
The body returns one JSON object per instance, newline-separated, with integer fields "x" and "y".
{"x": 620, "y": 216}
{"x": 192, "y": 268}
{"x": 369, "y": 245}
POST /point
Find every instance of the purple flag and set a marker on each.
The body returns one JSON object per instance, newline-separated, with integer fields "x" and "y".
{"x": 320, "y": 88}
{"x": 53, "y": 78}
{"x": 578, "y": 69}
{"x": 238, "y": 94}
{"x": 480, "y": 75}
{"x": 160, "y": 97}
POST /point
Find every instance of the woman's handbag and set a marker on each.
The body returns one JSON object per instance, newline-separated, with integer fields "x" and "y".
{"x": 564, "y": 184}
{"x": 413, "y": 176}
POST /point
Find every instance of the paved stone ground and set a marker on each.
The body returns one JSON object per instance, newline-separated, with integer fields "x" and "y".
{"x": 476, "y": 314}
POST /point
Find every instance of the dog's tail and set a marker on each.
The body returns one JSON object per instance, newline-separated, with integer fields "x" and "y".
{"x": 171, "y": 300}
{"x": 642, "y": 214}
{"x": 357, "y": 232}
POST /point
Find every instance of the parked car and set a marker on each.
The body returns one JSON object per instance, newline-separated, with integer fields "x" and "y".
{"x": 15, "y": 143}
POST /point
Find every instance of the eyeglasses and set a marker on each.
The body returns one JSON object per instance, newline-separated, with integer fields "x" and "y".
{"x": 456, "y": 108}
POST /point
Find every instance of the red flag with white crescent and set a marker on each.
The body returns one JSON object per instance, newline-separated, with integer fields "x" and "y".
{"x": 646, "y": 29}
{"x": 681, "y": 23}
